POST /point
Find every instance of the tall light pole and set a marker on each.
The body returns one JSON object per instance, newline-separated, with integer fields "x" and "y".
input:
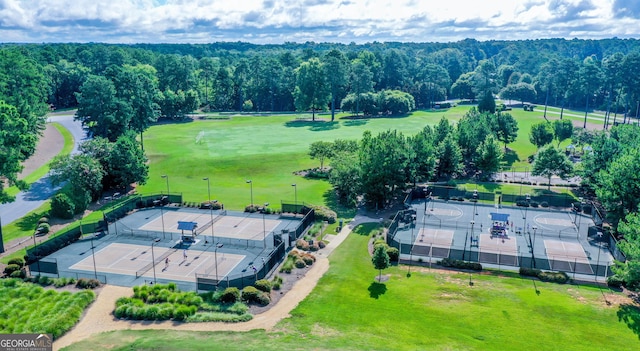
{"x": 167, "y": 178}
{"x": 599, "y": 235}
{"x": 210, "y": 207}
{"x": 533, "y": 245}
{"x": 264, "y": 226}
{"x": 153, "y": 261}
{"x": 295, "y": 190}
{"x": 162, "y": 207}
{"x": 93, "y": 254}
{"x": 250, "y": 182}
{"x": 215, "y": 254}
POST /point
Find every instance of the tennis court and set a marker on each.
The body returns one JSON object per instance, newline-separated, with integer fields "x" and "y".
{"x": 138, "y": 261}
{"x": 496, "y": 250}
{"x": 567, "y": 256}
{"x": 237, "y": 227}
{"x": 433, "y": 242}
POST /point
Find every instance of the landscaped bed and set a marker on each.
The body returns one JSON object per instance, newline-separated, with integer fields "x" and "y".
{"x": 30, "y": 308}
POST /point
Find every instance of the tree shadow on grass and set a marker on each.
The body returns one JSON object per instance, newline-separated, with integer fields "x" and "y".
{"x": 331, "y": 200}
{"x": 30, "y": 221}
{"x": 355, "y": 122}
{"x": 630, "y": 315}
{"x": 314, "y": 126}
{"x": 377, "y": 289}
{"x": 510, "y": 157}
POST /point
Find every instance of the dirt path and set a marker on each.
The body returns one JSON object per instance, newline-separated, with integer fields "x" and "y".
{"x": 99, "y": 318}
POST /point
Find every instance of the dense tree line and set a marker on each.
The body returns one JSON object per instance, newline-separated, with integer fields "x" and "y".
{"x": 380, "y": 167}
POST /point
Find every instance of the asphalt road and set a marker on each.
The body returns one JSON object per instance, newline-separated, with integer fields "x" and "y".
{"x": 41, "y": 190}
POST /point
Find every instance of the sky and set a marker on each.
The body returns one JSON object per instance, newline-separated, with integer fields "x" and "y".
{"x": 344, "y": 21}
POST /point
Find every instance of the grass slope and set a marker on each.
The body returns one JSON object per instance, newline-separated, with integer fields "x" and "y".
{"x": 430, "y": 310}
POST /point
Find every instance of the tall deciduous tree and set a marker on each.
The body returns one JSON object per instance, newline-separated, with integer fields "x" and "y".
{"x": 321, "y": 150}
{"x": 541, "y": 134}
{"x": 449, "y": 158}
{"x": 15, "y": 141}
{"x": 345, "y": 176}
{"x": 629, "y": 270}
{"x": 361, "y": 81}
{"x": 84, "y": 176}
{"x": 619, "y": 185}
{"x": 100, "y": 110}
{"x": 384, "y": 160}
{"x": 562, "y": 130}
{"x": 506, "y": 128}
{"x": 336, "y": 68}
{"x": 489, "y": 155}
{"x": 312, "y": 91}
{"x": 549, "y": 162}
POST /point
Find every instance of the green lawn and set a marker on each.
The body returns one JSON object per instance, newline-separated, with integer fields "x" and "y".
{"x": 269, "y": 149}
{"x": 429, "y": 310}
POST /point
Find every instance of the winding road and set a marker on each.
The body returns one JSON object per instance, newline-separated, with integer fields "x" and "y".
{"x": 41, "y": 190}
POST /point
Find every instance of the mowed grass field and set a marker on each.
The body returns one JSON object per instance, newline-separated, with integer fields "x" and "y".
{"x": 269, "y": 149}
{"x": 428, "y": 310}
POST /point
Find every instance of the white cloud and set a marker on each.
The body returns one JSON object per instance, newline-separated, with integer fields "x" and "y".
{"x": 275, "y": 21}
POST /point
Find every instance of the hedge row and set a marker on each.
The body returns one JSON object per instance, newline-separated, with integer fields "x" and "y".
{"x": 459, "y": 264}
{"x": 545, "y": 276}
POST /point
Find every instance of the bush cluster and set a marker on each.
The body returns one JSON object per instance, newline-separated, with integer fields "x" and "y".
{"x": 84, "y": 283}
{"x": 615, "y": 281}
{"x": 254, "y": 296}
{"x": 158, "y": 302}
{"x": 325, "y": 214}
{"x": 297, "y": 259}
{"x": 263, "y": 285}
{"x": 460, "y": 264}
{"x": 546, "y": 276}
{"x": 276, "y": 284}
{"x": 230, "y": 295}
{"x": 392, "y": 252}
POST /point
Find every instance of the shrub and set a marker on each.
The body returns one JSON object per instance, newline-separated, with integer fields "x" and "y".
{"x": 20, "y": 274}
{"x": 447, "y": 262}
{"x": 314, "y": 247}
{"x": 230, "y": 295}
{"x": 17, "y": 261}
{"x": 84, "y": 283}
{"x": 529, "y": 272}
{"x": 325, "y": 214}
{"x": 534, "y": 204}
{"x": 44, "y": 228}
{"x": 44, "y": 280}
{"x": 252, "y": 295}
{"x": 308, "y": 259}
{"x": 182, "y": 312}
{"x": 62, "y": 206}
{"x": 556, "y": 277}
{"x": 251, "y": 208}
{"x": 11, "y": 268}
{"x": 615, "y": 281}
{"x": 302, "y": 244}
{"x": 299, "y": 263}
{"x": 287, "y": 266}
{"x": 263, "y": 285}
{"x": 43, "y": 220}
{"x": 322, "y": 244}
{"x": 394, "y": 254}
{"x": 544, "y": 204}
